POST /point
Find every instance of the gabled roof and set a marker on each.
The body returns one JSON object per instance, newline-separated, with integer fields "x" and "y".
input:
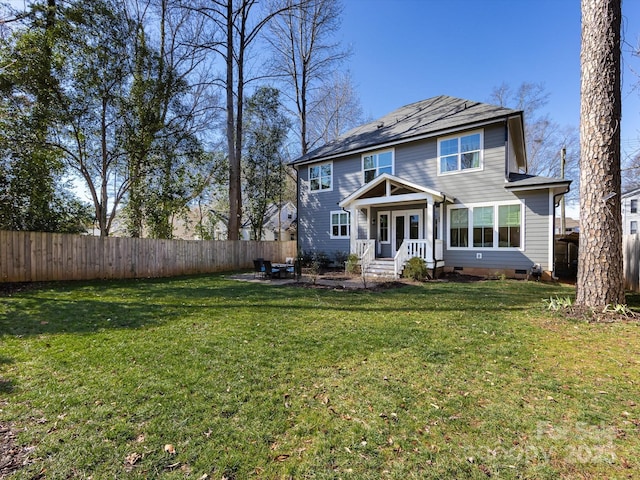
{"x": 388, "y": 189}
{"x": 426, "y": 118}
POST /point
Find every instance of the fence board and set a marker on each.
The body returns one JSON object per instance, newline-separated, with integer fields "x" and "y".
{"x": 35, "y": 256}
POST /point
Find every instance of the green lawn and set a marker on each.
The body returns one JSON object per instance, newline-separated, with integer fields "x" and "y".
{"x": 441, "y": 380}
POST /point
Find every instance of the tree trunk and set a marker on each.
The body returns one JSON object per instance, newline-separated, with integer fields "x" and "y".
{"x": 600, "y": 270}
{"x": 234, "y": 162}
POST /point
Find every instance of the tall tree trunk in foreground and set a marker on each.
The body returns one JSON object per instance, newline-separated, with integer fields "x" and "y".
{"x": 600, "y": 270}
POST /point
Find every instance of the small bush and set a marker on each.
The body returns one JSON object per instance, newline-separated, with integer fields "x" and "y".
{"x": 416, "y": 269}
{"x": 352, "y": 264}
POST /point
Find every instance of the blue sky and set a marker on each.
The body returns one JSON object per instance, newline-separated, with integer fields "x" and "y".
{"x": 409, "y": 50}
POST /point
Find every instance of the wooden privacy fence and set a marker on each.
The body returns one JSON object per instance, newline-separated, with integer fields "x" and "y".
{"x": 631, "y": 255}
{"x": 34, "y": 257}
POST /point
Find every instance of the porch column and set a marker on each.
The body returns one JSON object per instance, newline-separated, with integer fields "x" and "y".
{"x": 353, "y": 235}
{"x": 429, "y": 228}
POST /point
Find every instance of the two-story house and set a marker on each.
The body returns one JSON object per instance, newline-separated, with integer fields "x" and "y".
{"x": 444, "y": 179}
{"x": 631, "y": 212}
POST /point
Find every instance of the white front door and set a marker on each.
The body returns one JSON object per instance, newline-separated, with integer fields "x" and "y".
{"x": 406, "y": 224}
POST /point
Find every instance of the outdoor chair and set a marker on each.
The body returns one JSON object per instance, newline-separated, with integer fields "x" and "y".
{"x": 270, "y": 271}
{"x": 258, "y": 269}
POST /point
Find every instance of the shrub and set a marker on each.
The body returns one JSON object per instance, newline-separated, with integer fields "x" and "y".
{"x": 352, "y": 264}
{"x": 416, "y": 269}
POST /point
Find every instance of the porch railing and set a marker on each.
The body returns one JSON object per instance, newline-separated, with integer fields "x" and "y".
{"x": 416, "y": 248}
{"x": 366, "y": 251}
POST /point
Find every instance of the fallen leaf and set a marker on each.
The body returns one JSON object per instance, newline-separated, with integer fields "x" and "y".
{"x": 281, "y": 458}
{"x": 140, "y": 438}
{"x": 170, "y": 449}
{"x": 132, "y": 458}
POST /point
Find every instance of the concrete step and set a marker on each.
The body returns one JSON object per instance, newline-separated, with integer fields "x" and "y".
{"x": 380, "y": 268}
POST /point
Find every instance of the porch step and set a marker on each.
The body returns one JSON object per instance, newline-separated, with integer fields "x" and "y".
{"x": 381, "y": 267}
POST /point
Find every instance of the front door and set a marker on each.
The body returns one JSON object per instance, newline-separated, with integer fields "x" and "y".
{"x": 406, "y": 225}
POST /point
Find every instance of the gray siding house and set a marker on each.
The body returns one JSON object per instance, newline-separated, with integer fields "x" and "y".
{"x": 444, "y": 179}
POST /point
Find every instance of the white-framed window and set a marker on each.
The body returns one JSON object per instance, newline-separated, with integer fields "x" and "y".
{"x": 383, "y": 228}
{"x": 321, "y": 177}
{"x": 493, "y": 226}
{"x": 509, "y": 226}
{"x": 634, "y": 205}
{"x": 340, "y": 224}
{"x": 483, "y": 227}
{"x": 459, "y": 227}
{"x": 374, "y": 164}
{"x": 460, "y": 153}
{"x": 633, "y": 228}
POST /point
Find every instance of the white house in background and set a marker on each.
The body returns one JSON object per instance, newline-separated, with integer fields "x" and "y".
{"x": 631, "y": 212}
{"x": 281, "y": 223}
{"x": 571, "y": 226}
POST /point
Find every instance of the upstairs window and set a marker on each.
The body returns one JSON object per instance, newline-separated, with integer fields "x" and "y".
{"x": 376, "y": 164}
{"x": 634, "y": 205}
{"x": 456, "y": 154}
{"x": 320, "y": 177}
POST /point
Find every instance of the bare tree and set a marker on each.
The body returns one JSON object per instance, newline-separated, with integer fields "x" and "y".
{"x": 544, "y": 137}
{"x": 240, "y": 24}
{"x": 305, "y": 54}
{"x": 336, "y": 109}
{"x": 600, "y": 274}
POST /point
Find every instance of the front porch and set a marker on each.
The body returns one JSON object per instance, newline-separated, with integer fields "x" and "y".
{"x": 393, "y": 266}
{"x": 393, "y": 220}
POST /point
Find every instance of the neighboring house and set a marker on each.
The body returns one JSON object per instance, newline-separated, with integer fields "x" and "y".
{"x": 281, "y": 223}
{"x": 570, "y": 226}
{"x": 631, "y": 212}
{"x": 443, "y": 179}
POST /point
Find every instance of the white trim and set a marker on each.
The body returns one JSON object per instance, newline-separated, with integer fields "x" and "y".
{"x": 407, "y": 225}
{"x": 376, "y": 153}
{"x": 496, "y": 238}
{"x": 349, "y": 225}
{"x": 319, "y": 165}
{"x": 406, "y": 198}
{"x": 388, "y": 198}
{"x": 459, "y": 154}
{"x": 388, "y": 214}
{"x": 552, "y": 234}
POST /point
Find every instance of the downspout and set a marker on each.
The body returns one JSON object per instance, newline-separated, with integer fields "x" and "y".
{"x": 553, "y": 240}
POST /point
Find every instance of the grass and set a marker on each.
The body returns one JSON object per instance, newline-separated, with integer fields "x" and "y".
{"x": 441, "y": 380}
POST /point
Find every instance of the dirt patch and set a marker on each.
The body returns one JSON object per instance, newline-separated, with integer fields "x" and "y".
{"x": 12, "y": 457}
{"x": 8, "y": 289}
{"x": 589, "y": 314}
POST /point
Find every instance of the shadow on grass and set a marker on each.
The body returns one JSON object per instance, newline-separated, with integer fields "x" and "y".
{"x": 88, "y": 307}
